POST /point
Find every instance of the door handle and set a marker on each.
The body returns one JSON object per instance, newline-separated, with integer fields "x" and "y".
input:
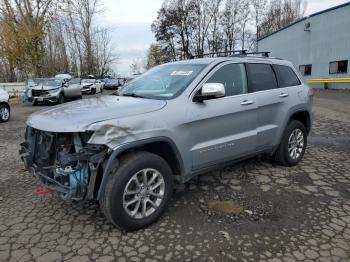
{"x": 284, "y": 94}
{"x": 247, "y": 102}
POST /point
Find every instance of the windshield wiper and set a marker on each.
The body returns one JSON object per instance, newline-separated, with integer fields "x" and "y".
{"x": 133, "y": 95}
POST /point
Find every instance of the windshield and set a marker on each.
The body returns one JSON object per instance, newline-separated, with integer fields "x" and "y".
{"x": 163, "y": 82}
{"x": 50, "y": 82}
{"x": 88, "y": 81}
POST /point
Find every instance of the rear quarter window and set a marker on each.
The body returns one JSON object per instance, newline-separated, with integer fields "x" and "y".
{"x": 286, "y": 76}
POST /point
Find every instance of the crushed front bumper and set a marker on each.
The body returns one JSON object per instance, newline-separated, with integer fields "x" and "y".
{"x": 62, "y": 162}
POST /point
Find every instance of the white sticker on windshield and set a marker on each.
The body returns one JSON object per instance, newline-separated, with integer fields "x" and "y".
{"x": 181, "y": 73}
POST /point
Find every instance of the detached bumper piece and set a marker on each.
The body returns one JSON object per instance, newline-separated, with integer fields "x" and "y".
{"x": 63, "y": 162}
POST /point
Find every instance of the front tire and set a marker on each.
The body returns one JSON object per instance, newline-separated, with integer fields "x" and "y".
{"x": 138, "y": 191}
{"x": 293, "y": 144}
{"x": 4, "y": 113}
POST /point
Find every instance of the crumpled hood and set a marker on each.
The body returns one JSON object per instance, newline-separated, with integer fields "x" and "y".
{"x": 77, "y": 116}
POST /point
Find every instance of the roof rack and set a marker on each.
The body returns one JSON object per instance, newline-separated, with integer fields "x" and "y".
{"x": 233, "y": 53}
{"x": 245, "y": 53}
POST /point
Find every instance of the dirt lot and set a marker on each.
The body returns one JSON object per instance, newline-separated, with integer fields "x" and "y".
{"x": 287, "y": 214}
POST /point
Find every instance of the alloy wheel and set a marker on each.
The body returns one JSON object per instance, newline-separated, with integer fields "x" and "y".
{"x": 4, "y": 113}
{"x": 296, "y": 144}
{"x": 143, "y": 193}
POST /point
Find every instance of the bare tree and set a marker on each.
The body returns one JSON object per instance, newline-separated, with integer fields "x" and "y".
{"x": 84, "y": 12}
{"x": 281, "y": 13}
{"x": 258, "y": 14}
{"x": 104, "y": 51}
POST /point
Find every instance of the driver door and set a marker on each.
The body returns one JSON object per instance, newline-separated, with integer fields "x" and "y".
{"x": 222, "y": 129}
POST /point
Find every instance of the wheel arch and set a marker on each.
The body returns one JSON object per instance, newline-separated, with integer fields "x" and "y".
{"x": 304, "y": 117}
{"x": 161, "y": 146}
{"x": 6, "y": 104}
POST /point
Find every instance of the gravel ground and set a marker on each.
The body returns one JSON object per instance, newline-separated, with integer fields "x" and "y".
{"x": 300, "y": 213}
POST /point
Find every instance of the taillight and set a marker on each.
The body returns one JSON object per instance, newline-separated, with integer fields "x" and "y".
{"x": 311, "y": 92}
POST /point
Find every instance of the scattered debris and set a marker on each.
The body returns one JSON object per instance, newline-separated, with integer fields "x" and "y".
{"x": 41, "y": 191}
{"x": 228, "y": 207}
{"x": 226, "y": 235}
{"x": 249, "y": 212}
{"x": 23, "y": 171}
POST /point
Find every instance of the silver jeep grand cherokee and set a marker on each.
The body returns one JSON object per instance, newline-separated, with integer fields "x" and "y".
{"x": 172, "y": 123}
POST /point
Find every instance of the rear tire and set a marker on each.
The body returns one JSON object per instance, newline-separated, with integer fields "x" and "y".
{"x": 293, "y": 144}
{"x": 122, "y": 189}
{"x": 5, "y": 113}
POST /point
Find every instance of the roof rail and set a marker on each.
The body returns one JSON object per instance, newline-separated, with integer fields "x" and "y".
{"x": 221, "y": 54}
{"x": 263, "y": 54}
{"x": 233, "y": 53}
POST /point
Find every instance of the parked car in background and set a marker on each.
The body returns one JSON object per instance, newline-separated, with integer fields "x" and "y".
{"x": 5, "y": 110}
{"x": 54, "y": 91}
{"x": 91, "y": 86}
{"x": 103, "y": 82}
{"x": 112, "y": 83}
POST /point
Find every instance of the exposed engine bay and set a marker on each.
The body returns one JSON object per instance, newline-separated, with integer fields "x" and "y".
{"x": 64, "y": 162}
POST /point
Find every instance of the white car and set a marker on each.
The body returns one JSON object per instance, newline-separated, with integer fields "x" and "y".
{"x": 91, "y": 86}
{"x": 5, "y": 109}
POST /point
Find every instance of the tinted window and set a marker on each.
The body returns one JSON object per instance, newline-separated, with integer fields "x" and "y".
{"x": 261, "y": 77}
{"x": 233, "y": 77}
{"x": 286, "y": 76}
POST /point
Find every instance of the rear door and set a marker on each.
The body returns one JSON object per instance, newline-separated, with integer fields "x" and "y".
{"x": 271, "y": 103}
{"x": 224, "y": 128}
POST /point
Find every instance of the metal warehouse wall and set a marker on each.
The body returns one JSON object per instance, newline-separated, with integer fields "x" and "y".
{"x": 327, "y": 41}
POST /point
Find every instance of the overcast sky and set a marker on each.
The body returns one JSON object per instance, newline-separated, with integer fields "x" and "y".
{"x": 130, "y": 22}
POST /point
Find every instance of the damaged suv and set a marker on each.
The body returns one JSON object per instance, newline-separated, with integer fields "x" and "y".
{"x": 172, "y": 123}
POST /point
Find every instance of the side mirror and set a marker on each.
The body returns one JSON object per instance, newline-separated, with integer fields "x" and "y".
{"x": 210, "y": 91}
{"x": 65, "y": 85}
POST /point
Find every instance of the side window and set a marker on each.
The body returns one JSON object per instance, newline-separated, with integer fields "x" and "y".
{"x": 286, "y": 76}
{"x": 233, "y": 77}
{"x": 261, "y": 77}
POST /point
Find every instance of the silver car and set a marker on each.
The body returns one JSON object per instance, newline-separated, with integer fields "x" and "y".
{"x": 5, "y": 109}
{"x": 54, "y": 91}
{"x": 170, "y": 124}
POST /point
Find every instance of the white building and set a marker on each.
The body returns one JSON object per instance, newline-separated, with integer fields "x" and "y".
{"x": 318, "y": 45}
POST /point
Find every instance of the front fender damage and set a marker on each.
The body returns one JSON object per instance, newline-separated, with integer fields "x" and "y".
{"x": 114, "y": 133}
{"x": 77, "y": 164}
